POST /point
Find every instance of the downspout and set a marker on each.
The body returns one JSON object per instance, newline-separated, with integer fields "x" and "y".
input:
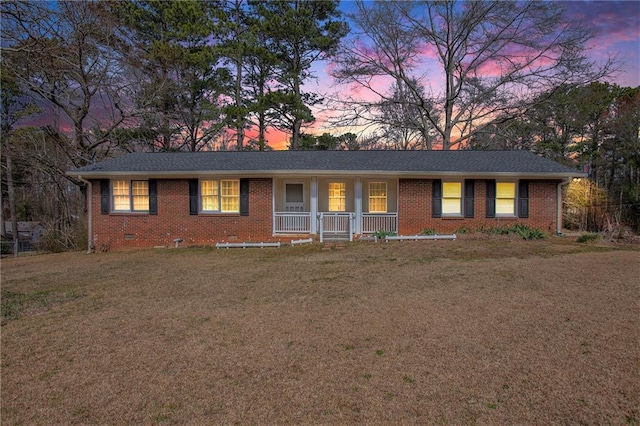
{"x": 565, "y": 181}
{"x": 89, "y": 214}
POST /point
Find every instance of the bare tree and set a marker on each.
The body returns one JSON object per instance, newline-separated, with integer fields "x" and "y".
{"x": 378, "y": 62}
{"x": 14, "y": 106}
{"x": 495, "y": 59}
{"x": 34, "y": 171}
{"x": 66, "y": 57}
{"x": 404, "y": 124}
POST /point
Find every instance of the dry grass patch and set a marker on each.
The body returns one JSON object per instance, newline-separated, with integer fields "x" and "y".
{"x": 489, "y": 330}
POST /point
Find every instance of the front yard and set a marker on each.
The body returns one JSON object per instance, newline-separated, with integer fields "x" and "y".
{"x": 483, "y": 329}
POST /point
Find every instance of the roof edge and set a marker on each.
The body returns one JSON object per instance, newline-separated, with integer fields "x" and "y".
{"x": 311, "y": 173}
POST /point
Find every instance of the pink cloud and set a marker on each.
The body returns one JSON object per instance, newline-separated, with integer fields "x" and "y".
{"x": 429, "y": 51}
{"x": 616, "y": 27}
{"x": 610, "y": 20}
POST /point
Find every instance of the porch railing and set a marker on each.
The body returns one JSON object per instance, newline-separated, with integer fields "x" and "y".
{"x": 374, "y": 222}
{"x": 291, "y": 223}
{"x": 300, "y": 222}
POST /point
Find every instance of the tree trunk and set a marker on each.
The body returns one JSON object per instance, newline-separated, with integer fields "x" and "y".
{"x": 295, "y": 134}
{"x": 12, "y": 200}
{"x": 239, "y": 118}
{"x": 3, "y": 227}
{"x": 262, "y": 130}
{"x": 297, "y": 121}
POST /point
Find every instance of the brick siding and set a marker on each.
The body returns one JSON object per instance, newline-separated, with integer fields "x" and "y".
{"x": 414, "y": 210}
{"x": 117, "y": 231}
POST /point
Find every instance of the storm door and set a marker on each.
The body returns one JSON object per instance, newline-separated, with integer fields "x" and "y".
{"x": 294, "y": 197}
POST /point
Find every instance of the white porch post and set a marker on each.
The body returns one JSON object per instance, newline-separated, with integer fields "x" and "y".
{"x": 273, "y": 206}
{"x": 313, "y": 206}
{"x": 358, "y": 206}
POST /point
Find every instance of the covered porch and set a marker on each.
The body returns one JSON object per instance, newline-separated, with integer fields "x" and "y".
{"x": 335, "y": 208}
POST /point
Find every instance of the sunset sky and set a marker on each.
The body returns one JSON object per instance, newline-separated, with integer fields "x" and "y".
{"x": 616, "y": 25}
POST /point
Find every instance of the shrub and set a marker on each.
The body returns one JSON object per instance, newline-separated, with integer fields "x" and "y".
{"x": 63, "y": 238}
{"x": 382, "y": 234}
{"x": 523, "y": 231}
{"x": 6, "y": 246}
{"x": 527, "y": 233}
{"x": 428, "y": 232}
{"x": 588, "y": 237}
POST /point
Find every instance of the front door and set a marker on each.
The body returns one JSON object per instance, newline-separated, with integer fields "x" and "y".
{"x": 336, "y": 224}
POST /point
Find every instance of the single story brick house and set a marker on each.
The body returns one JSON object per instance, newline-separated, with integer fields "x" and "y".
{"x": 201, "y": 198}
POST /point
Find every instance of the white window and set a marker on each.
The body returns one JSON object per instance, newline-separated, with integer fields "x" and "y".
{"x": 140, "y": 195}
{"x": 120, "y": 193}
{"x": 337, "y": 196}
{"x": 130, "y": 196}
{"x": 220, "y": 196}
{"x": 505, "y": 199}
{"x": 230, "y": 195}
{"x": 377, "y": 197}
{"x": 451, "y": 198}
{"x": 209, "y": 196}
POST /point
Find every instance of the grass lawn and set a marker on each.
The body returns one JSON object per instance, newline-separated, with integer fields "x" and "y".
{"x": 490, "y": 330}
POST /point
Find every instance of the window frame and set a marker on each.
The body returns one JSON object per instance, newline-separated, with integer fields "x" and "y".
{"x": 219, "y": 197}
{"x": 384, "y": 197}
{"x": 130, "y": 196}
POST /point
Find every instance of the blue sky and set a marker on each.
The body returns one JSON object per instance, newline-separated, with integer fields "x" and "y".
{"x": 616, "y": 25}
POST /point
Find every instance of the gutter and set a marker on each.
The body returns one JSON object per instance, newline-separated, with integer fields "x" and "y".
{"x": 411, "y": 174}
{"x": 89, "y": 202}
{"x": 565, "y": 181}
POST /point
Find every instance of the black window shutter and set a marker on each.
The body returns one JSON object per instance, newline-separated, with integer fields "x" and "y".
{"x": 469, "y": 193}
{"x": 244, "y": 197}
{"x": 105, "y": 196}
{"x": 523, "y": 199}
{"x": 193, "y": 196}
{"x": 436, "y": 198}
{"x": 153, "y": 196}
{"x": 491, "y": 198}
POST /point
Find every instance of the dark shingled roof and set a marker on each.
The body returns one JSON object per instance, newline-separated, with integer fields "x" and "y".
{"x": 333, "y": 162}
